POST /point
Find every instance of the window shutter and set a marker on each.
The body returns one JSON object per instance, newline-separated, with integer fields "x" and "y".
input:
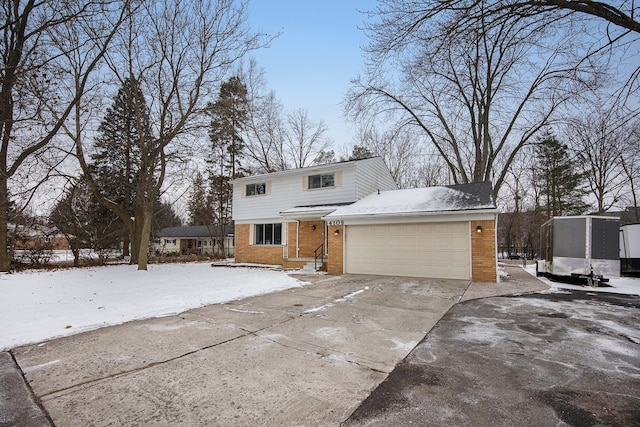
{"x": 251, "y": 234}
{"x": 338, "y": 182}
{"x": 305, "y": 183}
{"x": 267, "y": 189}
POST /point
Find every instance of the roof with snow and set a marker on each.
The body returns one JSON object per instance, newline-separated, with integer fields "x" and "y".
{"x": 314, "y": 208}
{"x": 193, "y": 231}
{"x": 440, "y": 199}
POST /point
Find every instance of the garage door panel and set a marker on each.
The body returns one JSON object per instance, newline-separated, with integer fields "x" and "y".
{"x": 439, "y": 250}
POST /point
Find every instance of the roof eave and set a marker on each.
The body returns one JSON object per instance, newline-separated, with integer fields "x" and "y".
{"x": 409, "y": 215}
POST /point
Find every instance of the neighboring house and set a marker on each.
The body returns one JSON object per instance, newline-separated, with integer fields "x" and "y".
{"x": 194, "y": 239}
{"x": 38, "y": 237}
{"x": 352, "y": 216}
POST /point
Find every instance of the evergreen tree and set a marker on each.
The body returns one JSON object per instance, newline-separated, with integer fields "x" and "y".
{"x": 199, "y": 204}
{"x": 125, "y": 160}
{"x": 562, "y": 190}
{"x": 360, "y": 152}
{"x": 228, "y": 118}
{"x": 85, "y": 222}
{"x": 325, "y": 157}
{"x": 164, "y": 216}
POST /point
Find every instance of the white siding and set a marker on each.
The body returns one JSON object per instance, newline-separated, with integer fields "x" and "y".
{"x": 372, "y": 175}
{"x": 354, "y": 180}
{"x": 287, "y": 192}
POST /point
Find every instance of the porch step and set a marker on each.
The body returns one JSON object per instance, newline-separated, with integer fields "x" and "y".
{"x": 309, "y": 267}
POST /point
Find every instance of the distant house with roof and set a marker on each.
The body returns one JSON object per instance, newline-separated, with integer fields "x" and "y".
{"x": 195, "y": 239}
{"x": 350, "y": 217}
{"x": 38, "y": 237}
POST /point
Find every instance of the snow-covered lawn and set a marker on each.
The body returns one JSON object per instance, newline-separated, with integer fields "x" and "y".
{"x": 622, "y": 285}
{"x": 39, "y": 305}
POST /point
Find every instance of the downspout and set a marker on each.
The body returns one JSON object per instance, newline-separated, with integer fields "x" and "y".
{"x": 326, "y": 239}
{"x": 471, "y": 237}
{"x": 297, "y": 237}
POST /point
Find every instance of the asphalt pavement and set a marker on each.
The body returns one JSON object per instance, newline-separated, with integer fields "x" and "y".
{"x": 543, "y": 359}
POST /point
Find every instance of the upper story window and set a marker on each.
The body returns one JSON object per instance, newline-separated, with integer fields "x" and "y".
{"x": 256, "y": 189}
{"x": 322, "y": 180}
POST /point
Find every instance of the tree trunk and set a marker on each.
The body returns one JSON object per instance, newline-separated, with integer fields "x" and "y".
{"x": 76, "y": 255}
{"x": 125, "y": 246}
{"x": 143, "y": 255}
{"x": 5, "y": 254}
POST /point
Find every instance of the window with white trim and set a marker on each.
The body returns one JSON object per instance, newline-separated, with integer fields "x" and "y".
{"x": 268, "y": 234}
{"x": 256, "y": 189}
{"x": 324, "y": 180}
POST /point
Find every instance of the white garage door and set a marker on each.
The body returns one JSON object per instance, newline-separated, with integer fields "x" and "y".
{"x": 439, "y": 250}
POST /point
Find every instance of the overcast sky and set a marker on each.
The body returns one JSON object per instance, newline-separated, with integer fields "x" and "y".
{"x": 310, "y": 65}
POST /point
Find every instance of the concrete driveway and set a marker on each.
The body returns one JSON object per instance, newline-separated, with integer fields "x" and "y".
{"x": 305, "y": 356}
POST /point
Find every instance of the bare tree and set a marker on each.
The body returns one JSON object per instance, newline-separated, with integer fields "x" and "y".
{"x": 479, "y": 97}
{"x": 408, "y": 160}
{"x": 264, "y": 128}
{"x": 621, "y": 13}
{"x": 178, "y": 51}
{"x": 630, "y": 164}
{"x": 611, "y": 25}
{"x": 304, "y": 138}
{"x": 598, "y": 142}
{"x": 31, "y": 53}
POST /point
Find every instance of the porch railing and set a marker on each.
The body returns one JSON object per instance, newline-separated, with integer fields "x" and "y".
{"x": 319, "y": 254}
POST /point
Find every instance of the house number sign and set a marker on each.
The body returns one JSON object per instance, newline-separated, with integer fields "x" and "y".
{"x": 336, "y": 222}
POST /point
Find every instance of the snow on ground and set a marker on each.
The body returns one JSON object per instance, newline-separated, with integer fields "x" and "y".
{"x": 40, "y": 305}
{"x": 56, "y": 256}
{"x": 622, "y": 285}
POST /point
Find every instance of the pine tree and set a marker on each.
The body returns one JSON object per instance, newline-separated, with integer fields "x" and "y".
{"x": 199, "y": 203}
{"x": 360, "y": 152}
{"x": 84, "y": 221}
{"x": 164, "y": 216}
{"x": 228, "y": 118}
{"x": 562, "y": 186}
{"x": 125, "y": 160}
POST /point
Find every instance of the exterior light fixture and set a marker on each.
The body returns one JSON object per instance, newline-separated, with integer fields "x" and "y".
{"x": 336, "y": 233}
{"x": 479, "y": 229}
{"x": 313, "y": 227}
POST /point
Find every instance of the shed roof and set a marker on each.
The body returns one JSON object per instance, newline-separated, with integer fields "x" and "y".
{"x": 439, "y": 199}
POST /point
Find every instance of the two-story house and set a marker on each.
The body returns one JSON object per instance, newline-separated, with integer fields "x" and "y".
{"x": 352, "y": 216}
{"x": 278, "y": 216}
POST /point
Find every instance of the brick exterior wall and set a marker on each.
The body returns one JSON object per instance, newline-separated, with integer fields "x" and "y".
{"x": 293, "y": 264}
{"x": 335, "y": 250}
{"x": 483, "y": 252}
{"x": 291, "y": 241}
{"x": 39, "y": 242}
{"x": 483, "y": 248}
{"x": 259, "y": 254}
{"x": 309, "y": 240}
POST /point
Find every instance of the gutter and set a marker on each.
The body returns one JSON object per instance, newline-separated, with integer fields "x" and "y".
{"x": 430, "y": 214}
